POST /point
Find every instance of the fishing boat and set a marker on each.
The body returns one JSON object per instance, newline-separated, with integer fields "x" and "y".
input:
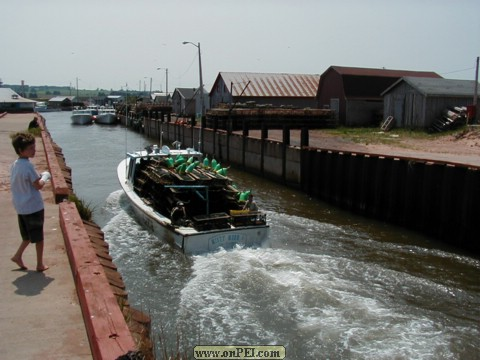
{"x": 82, "y": 116}
{"x": 93, "y": 108}
{"x": 189, "y": 201}
{"x": 41, "y": 106}
{"x": 106, "y": 115}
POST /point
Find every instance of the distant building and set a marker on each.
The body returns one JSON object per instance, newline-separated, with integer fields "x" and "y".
{"x": 113, "y": 99}
{"x": 415, "y": 102}
{"x": 63, "y": 102}
{"x": 161, "y": 99}
{"x": 289, "y": 90}
{"x": 11, "y": 102}
{"x": 186, "y": 102}
{"x": 355, "y": 93}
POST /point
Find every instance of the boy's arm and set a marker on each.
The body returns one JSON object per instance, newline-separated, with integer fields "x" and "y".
{"x": 40, "y": 182}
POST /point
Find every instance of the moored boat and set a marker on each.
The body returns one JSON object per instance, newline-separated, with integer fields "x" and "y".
{"x": 93, "y": 108}
{"x": 41, "y": 106}
{"x": 81, "y": 116}
{"x": 189, "y": 202}
{"x": 106, "y": 115}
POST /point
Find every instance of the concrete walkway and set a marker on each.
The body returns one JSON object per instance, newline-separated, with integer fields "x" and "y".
{"x": 40, "y": 315}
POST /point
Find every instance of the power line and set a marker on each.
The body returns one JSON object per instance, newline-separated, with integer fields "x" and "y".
{"x": 189, "y": 66}
{"x": 456, "y": 71}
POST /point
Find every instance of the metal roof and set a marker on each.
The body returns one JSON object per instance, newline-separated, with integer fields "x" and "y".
{"x": 7, "y": 95}
{"x": 189, "y": 93}
{"x": 270, "y": 84}
{"x": 186, "y": 93}
{"x": 343, "y": 70}
{"x": 439, "y": 87}
{"x": 368, "y": 83}
{"x": 61, "y": 98}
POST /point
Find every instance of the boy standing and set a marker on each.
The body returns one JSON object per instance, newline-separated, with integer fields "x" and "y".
{"x": 26, "y": 185}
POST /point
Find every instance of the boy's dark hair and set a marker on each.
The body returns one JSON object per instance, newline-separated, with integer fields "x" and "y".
{"x": 22, "y": 140}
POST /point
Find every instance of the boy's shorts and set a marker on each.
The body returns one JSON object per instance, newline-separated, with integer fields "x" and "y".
{"x": 31, "y": 226}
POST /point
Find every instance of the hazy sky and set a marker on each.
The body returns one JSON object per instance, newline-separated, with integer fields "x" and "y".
{"x": 109, "y": 44}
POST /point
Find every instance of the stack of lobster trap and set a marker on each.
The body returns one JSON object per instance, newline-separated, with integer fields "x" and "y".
{"x": 451, "y": 118}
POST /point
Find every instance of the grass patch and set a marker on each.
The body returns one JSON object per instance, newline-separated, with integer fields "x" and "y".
{"x": 35, "y": 131}
{"x": 374, "y": 135}
{"x": 84, "y": 209}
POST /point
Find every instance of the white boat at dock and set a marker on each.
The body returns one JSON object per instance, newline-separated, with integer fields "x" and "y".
{"x": 160, "y": 182}
{"x": 93, "y": 108}
{"x": 106, "y": 115}
{"x": 41, "y": 106}
{"x": 82, "y": 117}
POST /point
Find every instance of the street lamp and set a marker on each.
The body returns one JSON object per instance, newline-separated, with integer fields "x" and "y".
{"x": 166, "y": 76}
{"x": 200, "y": 90}
{"x": 200, "y": 71}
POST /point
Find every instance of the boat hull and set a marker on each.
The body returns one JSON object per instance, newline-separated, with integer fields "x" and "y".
{"x": 187, "y": 239}
{"x": 81, "y": 119}
{"x": 106, "y": 119}
{"x": 42, "y": 107}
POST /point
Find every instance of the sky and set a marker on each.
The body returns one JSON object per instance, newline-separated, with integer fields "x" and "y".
{"x": 120, "y": 44}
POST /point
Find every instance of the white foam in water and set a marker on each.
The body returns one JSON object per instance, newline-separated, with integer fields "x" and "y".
{"x": 127, "y": 239}
{"x": 307, "y": 302}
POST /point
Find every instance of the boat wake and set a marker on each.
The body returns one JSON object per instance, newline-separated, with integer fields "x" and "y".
{"x": 314, "y": 304}
{"x": 314, "y": 289}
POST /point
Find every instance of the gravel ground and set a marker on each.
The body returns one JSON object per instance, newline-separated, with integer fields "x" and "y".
{"x": 463, "y": 147}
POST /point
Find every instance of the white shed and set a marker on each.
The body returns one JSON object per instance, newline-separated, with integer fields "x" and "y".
{"x": 11, "y": 102}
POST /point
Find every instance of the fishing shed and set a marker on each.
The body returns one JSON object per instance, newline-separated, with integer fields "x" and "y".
{"x": 355, "y": 93}
{"x": 186, "y": 102}
{"x": 415, "y": 102}
{"x": 11, "y": 102}
{"x": 277, "y": 90}
{"x": 63, "y": 102}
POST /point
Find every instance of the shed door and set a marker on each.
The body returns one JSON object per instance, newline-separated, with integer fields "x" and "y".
{"x": 335, "y": 106}
{"x": 398, "y": 112}
{"x": 409, "y": 109}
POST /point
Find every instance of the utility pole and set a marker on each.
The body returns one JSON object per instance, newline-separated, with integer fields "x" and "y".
{"x": 166, "y": 80}
{"x": 201, "y": 92}
{"x": 475, "y": 94}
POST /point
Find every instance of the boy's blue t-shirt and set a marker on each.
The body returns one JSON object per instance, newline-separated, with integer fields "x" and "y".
{"x": 26, "y": 198}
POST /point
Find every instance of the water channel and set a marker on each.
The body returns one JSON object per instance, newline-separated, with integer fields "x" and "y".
{"x": 328, "y": 284}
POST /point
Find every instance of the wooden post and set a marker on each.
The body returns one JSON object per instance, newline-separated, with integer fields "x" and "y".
{"x": 285, "y": 144}
{"x": 263, "y": 139}
{"x": 304, "y": 137}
